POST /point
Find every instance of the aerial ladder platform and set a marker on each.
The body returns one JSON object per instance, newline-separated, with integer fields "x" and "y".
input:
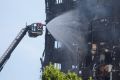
{"x": 34, "y": 30}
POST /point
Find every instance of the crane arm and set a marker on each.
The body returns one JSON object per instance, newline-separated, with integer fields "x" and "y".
{"x": 34, "y": 30}
{"x": 12, "y": 46}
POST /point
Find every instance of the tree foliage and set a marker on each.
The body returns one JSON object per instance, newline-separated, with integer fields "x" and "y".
{"x": 72, "y": 76}
{"x": 51, "y": 73}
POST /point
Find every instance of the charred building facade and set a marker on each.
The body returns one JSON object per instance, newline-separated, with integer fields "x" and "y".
{"x": 87, "y": 38}
{"x": 53, "y": 52}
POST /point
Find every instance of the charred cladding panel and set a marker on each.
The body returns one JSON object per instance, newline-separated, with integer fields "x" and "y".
{"x": 106, "y": 30}
{"x": 53, "y": 9}
{"x": 56, "y": 7}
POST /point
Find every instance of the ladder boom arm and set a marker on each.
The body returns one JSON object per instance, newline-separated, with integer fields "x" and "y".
{"x": 12, "y": 46}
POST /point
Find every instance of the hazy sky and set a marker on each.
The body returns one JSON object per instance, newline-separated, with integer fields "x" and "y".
{"x": 24, "y": 64}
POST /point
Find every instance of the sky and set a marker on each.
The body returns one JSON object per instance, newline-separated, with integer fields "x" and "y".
{"x": 24, "y": 63}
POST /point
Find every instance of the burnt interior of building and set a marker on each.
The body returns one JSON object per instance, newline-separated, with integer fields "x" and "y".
{"x": 102, "y": 40}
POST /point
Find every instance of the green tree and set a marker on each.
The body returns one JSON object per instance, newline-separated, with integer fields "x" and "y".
{"x": 51, "y": 73}
{"x": 72, "y": 76}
